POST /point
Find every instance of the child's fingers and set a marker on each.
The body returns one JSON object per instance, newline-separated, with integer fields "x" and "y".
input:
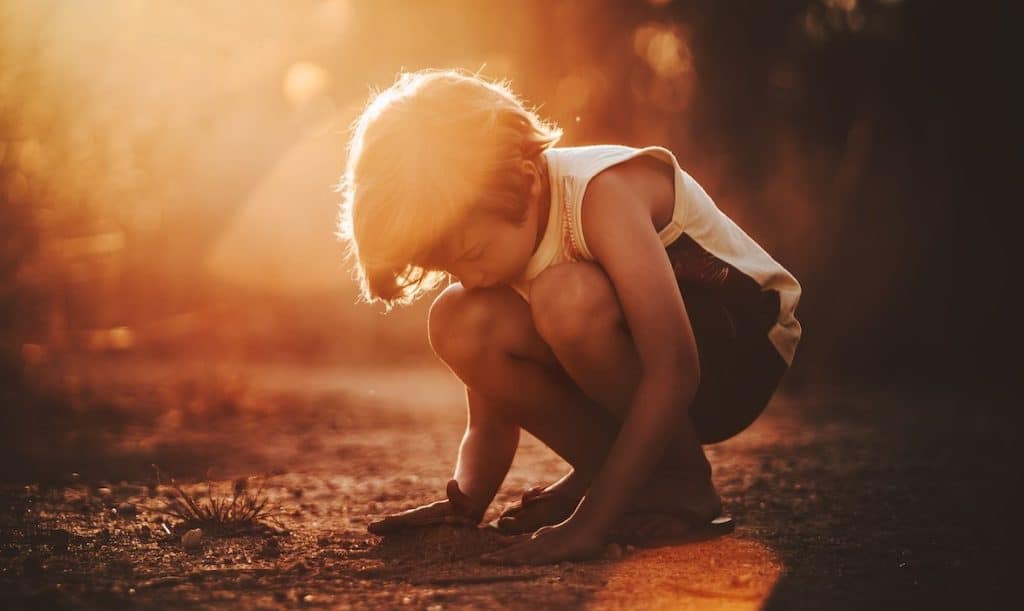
{"x": 532, "y": 493}
{"x": 461, "y": 503}
{"x": 421, "y": 516}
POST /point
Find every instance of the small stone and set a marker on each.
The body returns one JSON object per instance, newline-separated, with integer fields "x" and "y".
{"x": 192, "y": 539}
{"x": 741, "y": 581}
{"x": 144, "y": 534}
{"x": 407, "y": 600}
{"x": 613, "y": 551}
{"x": 126, "y": 510}
{"x": 308, "y": 599}
{"x": 104, "y": 492}
{"x": 630, "y": 549}
{"x": 271, "y": 549}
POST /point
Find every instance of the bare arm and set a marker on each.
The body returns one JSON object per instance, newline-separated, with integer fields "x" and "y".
{"x": 620, "y": 233}
{"x": 623, "y": 239}
{"x": 486, "y": 453}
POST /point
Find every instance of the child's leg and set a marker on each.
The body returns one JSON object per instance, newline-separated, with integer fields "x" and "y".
{"x": 577, "y": 313}
{"x": 488, "y": 339}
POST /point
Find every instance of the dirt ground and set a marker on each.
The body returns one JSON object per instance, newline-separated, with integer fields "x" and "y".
{"x": 843, "y": 498}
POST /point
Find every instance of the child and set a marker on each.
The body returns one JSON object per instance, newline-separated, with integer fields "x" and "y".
{"x": 603, "y": 303}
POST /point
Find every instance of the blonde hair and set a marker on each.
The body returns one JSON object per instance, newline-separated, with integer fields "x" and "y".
{"x": 433, "y": 150}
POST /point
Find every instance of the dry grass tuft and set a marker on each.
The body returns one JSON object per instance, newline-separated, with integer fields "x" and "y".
{"x": 243, "y": 512}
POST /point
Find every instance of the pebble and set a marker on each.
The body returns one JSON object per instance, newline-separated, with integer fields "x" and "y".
{"x": 271, "y": 549}
{"x": 407, "y": 600}
{"x": 126, "y": 510}
{"x": 192, "y": 539}
{"x": 104, "y": 491}
{"x": 739, "y": 581}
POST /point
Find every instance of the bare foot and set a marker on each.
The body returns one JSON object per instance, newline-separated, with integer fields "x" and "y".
{"x": 671, "y": 506}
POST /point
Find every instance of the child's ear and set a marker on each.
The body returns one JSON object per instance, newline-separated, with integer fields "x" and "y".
{"x": 530, "y": 172}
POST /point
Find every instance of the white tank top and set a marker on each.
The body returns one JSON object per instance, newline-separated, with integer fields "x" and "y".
{"x": 695, "y": 215}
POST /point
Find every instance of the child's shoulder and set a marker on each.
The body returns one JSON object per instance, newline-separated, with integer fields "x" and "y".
{"x": 585, "y": 162}
{"x": 601, "y": 177}
{"x": 590, "y": 153}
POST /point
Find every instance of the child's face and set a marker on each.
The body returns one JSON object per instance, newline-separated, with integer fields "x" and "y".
{"x": 494, "y": 250}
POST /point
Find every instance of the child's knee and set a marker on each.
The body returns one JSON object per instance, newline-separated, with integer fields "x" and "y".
{"x": 573, "y": 301}
{"x": 464, "y": 324}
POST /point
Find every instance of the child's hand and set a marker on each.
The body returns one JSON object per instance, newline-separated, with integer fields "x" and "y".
{"x": 551, "y": 544}
{"x": 458, "y": 509}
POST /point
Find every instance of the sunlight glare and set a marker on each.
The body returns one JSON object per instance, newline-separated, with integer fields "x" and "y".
{"x": 304, "y": 81}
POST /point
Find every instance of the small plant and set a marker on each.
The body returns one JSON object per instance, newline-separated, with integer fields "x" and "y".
{"x": 243, "y": 512}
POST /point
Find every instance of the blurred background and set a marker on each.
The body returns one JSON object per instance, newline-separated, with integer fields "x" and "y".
{"x": 167, "y": 168}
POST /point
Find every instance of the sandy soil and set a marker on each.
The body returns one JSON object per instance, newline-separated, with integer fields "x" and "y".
{"x": 842, "y": 499}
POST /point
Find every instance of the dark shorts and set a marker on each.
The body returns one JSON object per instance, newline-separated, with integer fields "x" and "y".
{"x": 731, "y": 317}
